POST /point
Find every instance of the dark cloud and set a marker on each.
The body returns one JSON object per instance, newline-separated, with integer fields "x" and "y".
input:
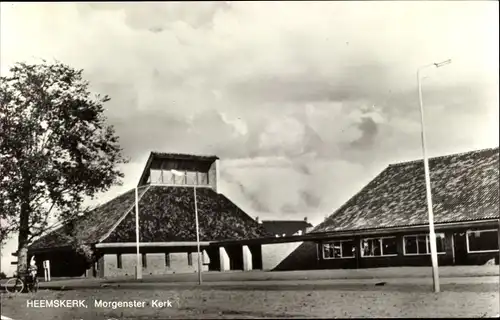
{"x": 311, "y": 200}
{"x": 369, "y": 131}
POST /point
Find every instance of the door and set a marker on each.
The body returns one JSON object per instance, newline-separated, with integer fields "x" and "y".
{"x": 460, "y": 248}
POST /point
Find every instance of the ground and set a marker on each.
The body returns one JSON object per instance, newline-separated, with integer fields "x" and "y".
{"x": 308, "y": 301}
{"x": 386, "y": 292}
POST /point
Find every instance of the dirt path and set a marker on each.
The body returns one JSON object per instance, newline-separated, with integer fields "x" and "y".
{"x": 479, "y": 301}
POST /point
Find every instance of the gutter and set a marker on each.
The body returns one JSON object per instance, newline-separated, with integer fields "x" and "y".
{"x": 318, "y": 236}
{"x": 151, "y": 244}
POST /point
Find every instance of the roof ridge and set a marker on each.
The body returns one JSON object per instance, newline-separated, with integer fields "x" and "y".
{"x": 60, "y": 224}
{"x": 479, "y": 151}
{"x": 117, "y": 223}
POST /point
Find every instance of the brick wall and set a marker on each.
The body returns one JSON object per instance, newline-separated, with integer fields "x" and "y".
{"x": 156, "y": 264}
{"x": 273, "y": 254}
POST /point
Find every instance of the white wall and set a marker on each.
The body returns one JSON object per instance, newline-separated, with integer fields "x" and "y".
{"x": 273, "y": 254}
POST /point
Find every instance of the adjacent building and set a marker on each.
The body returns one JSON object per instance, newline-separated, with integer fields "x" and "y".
{"x": 286, "y": 228}
{"x": 386, "y": 223}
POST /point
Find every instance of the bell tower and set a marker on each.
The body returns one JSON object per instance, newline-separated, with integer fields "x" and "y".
{"x": 173, "y": 169}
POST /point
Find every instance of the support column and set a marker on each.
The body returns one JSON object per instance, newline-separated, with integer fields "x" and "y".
{"x": 247, "y": 258}
{"x": 100, "y": 267}
{"x": 224, "y": 259}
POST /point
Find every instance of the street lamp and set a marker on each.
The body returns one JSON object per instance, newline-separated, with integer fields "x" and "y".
{"x": 138, "y": 264}
{"x": 432, "y": 233}
{"x": 182, "y": 174}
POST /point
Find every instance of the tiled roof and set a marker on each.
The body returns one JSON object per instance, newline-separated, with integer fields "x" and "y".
{"x": 465, "y": 187}
{"x": 92, "y": 226}
{"x": 166, "y": 214}
{"x": 288, "y": 227}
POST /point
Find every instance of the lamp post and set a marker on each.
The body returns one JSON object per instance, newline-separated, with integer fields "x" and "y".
{"x": 432, "y": 233}
{"x": 138, "y": 264}
{"x": 182, "y": 174}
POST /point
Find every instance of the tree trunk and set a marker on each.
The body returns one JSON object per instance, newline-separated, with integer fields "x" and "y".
{"x": 22, "y": 248}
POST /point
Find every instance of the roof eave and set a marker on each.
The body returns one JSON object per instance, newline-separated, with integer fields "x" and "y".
{"x": 145, "y": 170}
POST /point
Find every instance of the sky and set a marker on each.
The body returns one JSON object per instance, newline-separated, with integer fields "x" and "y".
{"x": 304, "y": 102}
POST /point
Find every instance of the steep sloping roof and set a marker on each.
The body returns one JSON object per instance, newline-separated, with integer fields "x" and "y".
{"x": 465, "y": 187}
{"x": 288, "y": 227}
{"x": 92, "y": 226}
{"x": 166, "y": 214}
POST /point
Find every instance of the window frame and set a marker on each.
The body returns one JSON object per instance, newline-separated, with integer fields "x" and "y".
{"x": 427, "y": 244}
{"x": 479, "y": 251}
{"x": 381, "y": 247}
{"x": 340, "y": 242}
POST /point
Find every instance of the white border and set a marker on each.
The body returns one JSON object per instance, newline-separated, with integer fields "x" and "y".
{"x": 381, "y": 247}
{"x": 480, "y": 231}
{"x": 427, "y": 244}
{"x": 337, "y": 241}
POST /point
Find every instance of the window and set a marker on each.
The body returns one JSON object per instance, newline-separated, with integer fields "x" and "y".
{"x": 378, "y": 247}
{"x": 482, "y": 240}
{"x": 119, "y": 260}
{"x": 190, "y": 258}
{"x": 167, "y": 260}
{"x": 155, "y": 176}
{"x": 144, "y": 261}
{"x": 179, "y": 179}
{"x": 202, "y": 178}
{"x": 419, "y": 244}
{"x": 168, "y": 177}
{"x": 339, "y": 249}
{"x": 191, "y": 178}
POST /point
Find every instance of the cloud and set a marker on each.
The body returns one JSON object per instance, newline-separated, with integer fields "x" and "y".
{"x": 303, "y": 102}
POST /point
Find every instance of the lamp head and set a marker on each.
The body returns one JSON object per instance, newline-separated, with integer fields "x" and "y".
{"x": 440, "y": 64}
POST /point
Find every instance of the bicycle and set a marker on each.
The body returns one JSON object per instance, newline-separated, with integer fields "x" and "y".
{"x": 18, "y": 285}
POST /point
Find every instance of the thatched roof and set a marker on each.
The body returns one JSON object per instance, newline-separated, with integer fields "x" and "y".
{"x": 166, "y": 214}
